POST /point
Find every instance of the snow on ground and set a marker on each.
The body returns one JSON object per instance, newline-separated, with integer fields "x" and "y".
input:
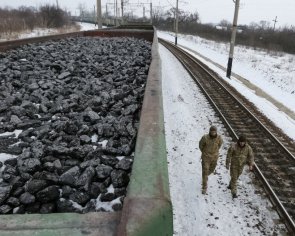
{"x": 103, "y": 143}
{"x": 25, "y": 34}
{"x": 38, "y": 32}
{"x": 14, "y": 133}
{"x": 94, "y": 138}
{"x": 273, "y": 71}
{"x": 274, "y": 74}
{"x": 188, "y": 116}
{"x": 86, "y": 26}
{"x": 5, "y": 156}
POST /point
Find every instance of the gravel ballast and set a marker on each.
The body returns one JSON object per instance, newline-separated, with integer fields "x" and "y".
{"x": 69, "y": 115}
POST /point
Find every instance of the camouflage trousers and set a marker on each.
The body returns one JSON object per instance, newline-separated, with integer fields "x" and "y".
{"x": 235, "y": 172}
{"x": 208, "y": 167}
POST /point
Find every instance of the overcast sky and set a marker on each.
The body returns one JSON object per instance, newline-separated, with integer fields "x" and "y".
{"x": 212, "y": 11}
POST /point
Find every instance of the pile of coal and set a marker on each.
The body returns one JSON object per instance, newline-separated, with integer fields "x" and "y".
{"x": 69, "y": 115}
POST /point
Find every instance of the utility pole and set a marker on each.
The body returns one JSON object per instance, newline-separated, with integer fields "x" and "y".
{"x": 176, "y": 22}
{"x": 143, "y": 12}
{"x": 116, "y": 10}
{"x": 233, "y": 38}
{"x": 98, "y": 8}
{"x": 94, "y": 15}
{"x": 275, "y": 21}
{"x": 151, "y": 12}
{"x": 57, "y": 4}
{"x": 122, "y": 9}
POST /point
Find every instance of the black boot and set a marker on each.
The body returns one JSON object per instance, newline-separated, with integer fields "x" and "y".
{"x": 235, "y": 195}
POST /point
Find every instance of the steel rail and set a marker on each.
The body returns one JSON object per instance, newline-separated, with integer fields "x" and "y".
{"x": 272, "y": 195}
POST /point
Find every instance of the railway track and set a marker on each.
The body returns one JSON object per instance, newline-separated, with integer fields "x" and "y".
{"x": 274, "y": 151}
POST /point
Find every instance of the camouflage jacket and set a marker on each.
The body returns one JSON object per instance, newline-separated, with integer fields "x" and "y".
{"x": 210, "y": 146}
{"x": 237, "y": 156}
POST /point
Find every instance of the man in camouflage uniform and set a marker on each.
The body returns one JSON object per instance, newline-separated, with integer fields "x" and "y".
{"x": 209, "y": 146}
{"x": 238, "y": 155}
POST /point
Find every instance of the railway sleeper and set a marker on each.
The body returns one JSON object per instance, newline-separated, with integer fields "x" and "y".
{"x": 239, "y": 122}
{"x": 277, "y": 183}
{"x": 273, "y": 177}
{"x": 273, "y": 155}
{"x": 288, "y": 194}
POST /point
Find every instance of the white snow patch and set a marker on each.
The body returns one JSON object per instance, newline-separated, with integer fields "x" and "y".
{"x": 120, "y": 157}
{"x": 5, "y": 156}
{"x": 38, "y": 32}
{"x": 37, "y": 105}
{"x": 15, "y": 210}
{"x": 14, "y": 144}
{"x": 103, "y": 143}
{"x": 15, "y": 132}
{"x": 94, "y": 138}
{"x": 60, "y": 192}
{"x": 111, "y": 189}
{"x": 106, "y": 206}
{"x": 116, "y": 201}
{"x": 87, "y": 26}
{"x": 54, "y": 117}
{"x": 76, "y": 205}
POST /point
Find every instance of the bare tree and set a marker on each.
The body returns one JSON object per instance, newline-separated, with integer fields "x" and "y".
{"x": 28, "y": 18}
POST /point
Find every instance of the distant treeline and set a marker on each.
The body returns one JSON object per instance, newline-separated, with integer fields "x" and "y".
{"x": 28, "y": 18}
{"x": 261, "y": 34}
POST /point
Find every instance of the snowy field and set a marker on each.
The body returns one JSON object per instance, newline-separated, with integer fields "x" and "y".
{"x": 273, "y": 73}
{"x": 87, "y": 26}
{"x": 38, "y": 32}
{"x": 188, "y": 116}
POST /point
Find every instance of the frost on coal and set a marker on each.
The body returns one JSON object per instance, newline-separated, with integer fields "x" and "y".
{"x": 69, "y": 114}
